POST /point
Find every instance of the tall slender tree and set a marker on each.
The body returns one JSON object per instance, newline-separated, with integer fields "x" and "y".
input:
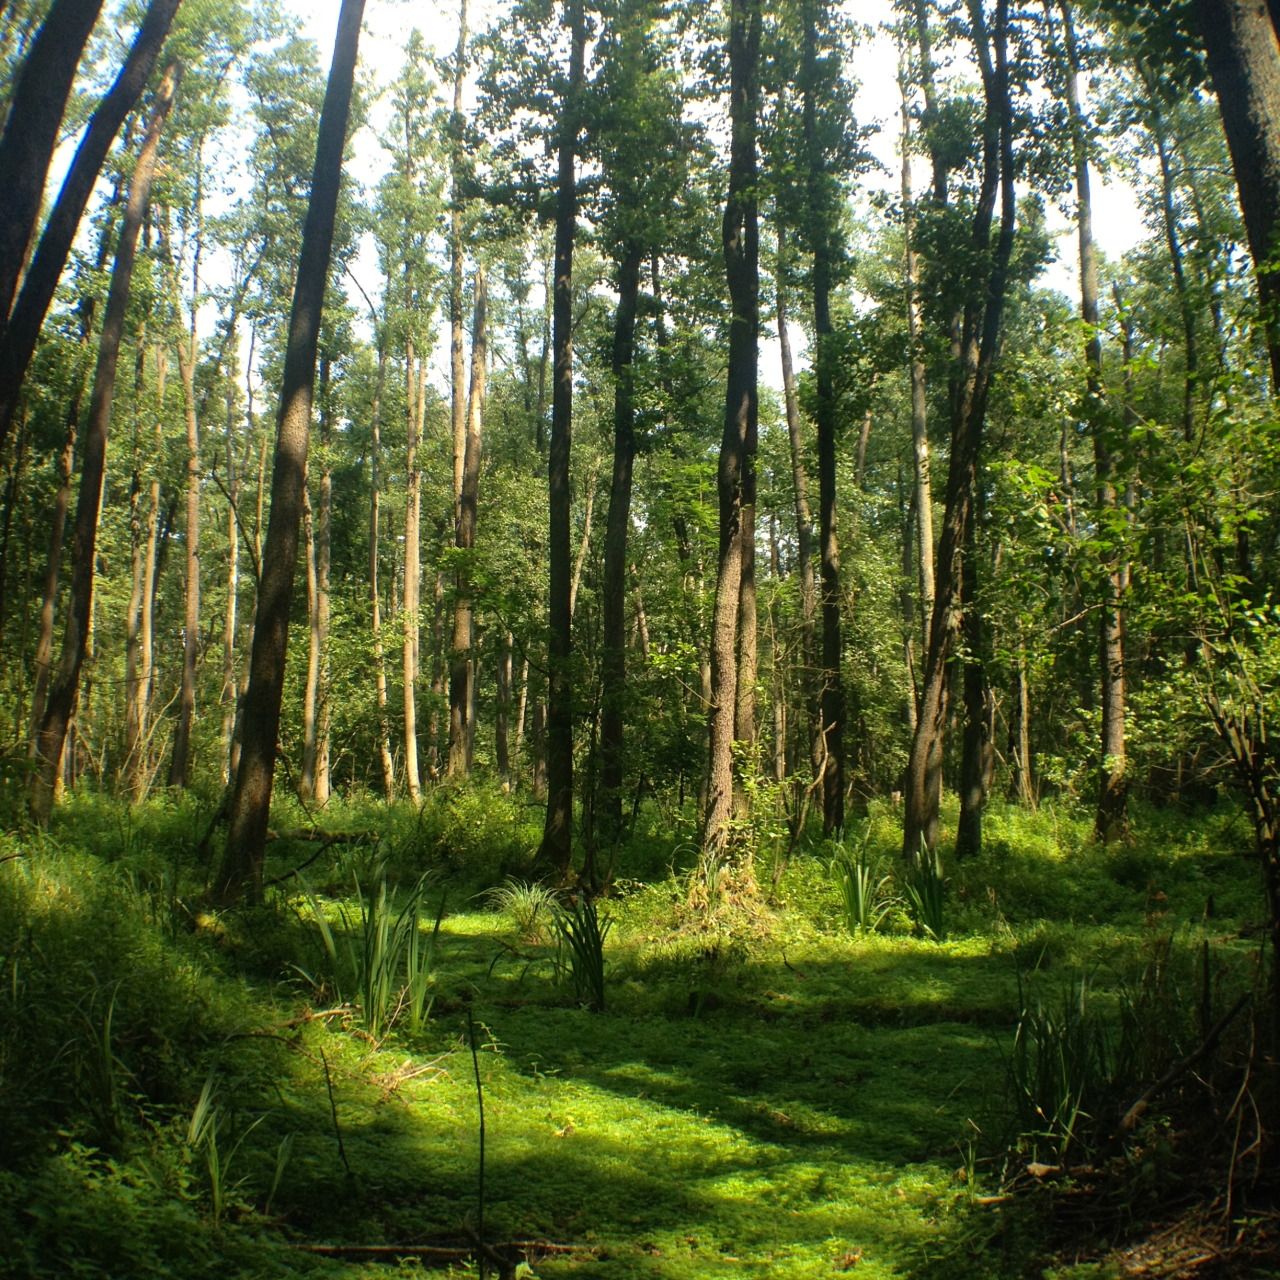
{"x": 241, "y": 869}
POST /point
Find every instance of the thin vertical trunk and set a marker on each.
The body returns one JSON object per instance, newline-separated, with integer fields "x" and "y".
{"x": 981, "y": 335}
{"x": 132, "y": 734}
{"x": 457, "y": 365}
{"x": 375, "y": 601}
{"x": 412, "y": 578}
{"x": 1112, "y": 814}
{"x": 180, "y": 759}
{"x": 323, "y": 556}
{"x": 804, "y": 520}
{"x": 227, "y": 695}
{"x": 919, "y": 389}
{"x": 556, "y": 853}
{"x": 822, "y": 232}
{"x": 584, "y": 543}
{"x": 502, "y": 716}
{"x": 462, "y": 658}
{"x": 307, "y": 769}
{"x": 741, "y": 249}
{"x": 152, "y": 562}
{"x": 613, "y": 662}
{"x": 65, "y": 684}
{"x": 241, "y": 870}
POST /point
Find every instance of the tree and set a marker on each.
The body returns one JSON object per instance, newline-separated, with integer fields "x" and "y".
{"x": 740, "y": 237}
{"x": 555, "y": 854}
{"x": 65, "y": 683}
{"x": 241, "y": 869}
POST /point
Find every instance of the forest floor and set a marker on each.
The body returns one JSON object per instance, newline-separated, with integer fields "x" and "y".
{"x": 762, "y": 1094}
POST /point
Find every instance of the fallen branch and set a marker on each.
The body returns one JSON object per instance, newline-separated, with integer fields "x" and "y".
{"x": 1175, "y": 1072}
{"x": 328, "y": 837}
{"x": 442, "y": 1253}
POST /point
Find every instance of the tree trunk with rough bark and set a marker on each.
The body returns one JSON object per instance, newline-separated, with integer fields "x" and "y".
{"x": 65, "y": 683}
{"x": 555, "y": 856}
{"x": 980, "y": 341}
{"x": 741, "y": 249}
{"x": 375, "y": 600}
{"x": 180, "y": 759}
{"x": 462, "y": 657}
{"x": 241, "y": 869}
{"x": 613, "y": 662}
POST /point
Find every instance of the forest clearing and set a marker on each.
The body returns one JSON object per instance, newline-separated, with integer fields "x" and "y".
{"x": 500, "y": 775}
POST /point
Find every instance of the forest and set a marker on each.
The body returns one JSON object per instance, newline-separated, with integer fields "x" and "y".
{"x": 622, "y": 657}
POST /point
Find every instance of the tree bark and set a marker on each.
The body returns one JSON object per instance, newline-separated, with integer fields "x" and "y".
{"x": 980, "y": 340}
{"x": 741, "y": 249}
{"x": 1244, "y": 65}
{"x": 555, "y": 857}
{"x": 227, "y": 695}
{"x": 311, "y": 690}
{"x": 65, "y": 683}
{"x": 412, "y": 581}
{"x": 457, "y": 365}
{"x": 241, "y": 870}
{"x": 179, "y": 761}
{"x": 31, "y": 132}
{"x": 613, "y": 662}
{"x": 1111, "y": 819}
{"x": 804, "y": 519}
{"x": 375, "y": 601}
{"x": 822, "y": 231}
{"x": 18, "y": 338}
{"x": 462, "y": 660}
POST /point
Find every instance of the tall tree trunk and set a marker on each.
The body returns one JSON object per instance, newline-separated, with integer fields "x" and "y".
{"x": 981, "y": 334}
{"x": 1111, "y": 819}
{"x": 457, "y": 365}
{"x": 412, "y": 579}
{"x": 1244, "y": 65}
{"x": 132, "y": 730}
{"x": 323, "y": 562}
{"x": 311, "y": 690}
{"x": 556, "y": 853}
{"x": 375, "y": 600}
{"x": 227, "y": 695}
{"x": 502, "y": 716}
{"x": 462, "y": 659}
{"x": 742, "y": 267}
{"x": 32, "y": 128}
{"x": 822, "y": 233}
{"x": 65, "y": 683}
{"x": 613, "y": 662}
{"x": 241, "y": 869}
{"x": 179, "y": 761}
{"x": 919, "y": 388}
{"x": 18, "y": 338}
{"x": 804, "y": 519}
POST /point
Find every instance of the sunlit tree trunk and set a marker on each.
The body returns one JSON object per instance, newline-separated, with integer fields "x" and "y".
{"x": 412, "y": 579}
{"x": 375, "y": 600}
{"x": 457, "y": 364}
{"x": 179, "y": 761}
{"x": 741, "y": 250}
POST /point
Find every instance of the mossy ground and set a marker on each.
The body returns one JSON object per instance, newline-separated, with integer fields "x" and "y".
{"x": 765, "y": 1096}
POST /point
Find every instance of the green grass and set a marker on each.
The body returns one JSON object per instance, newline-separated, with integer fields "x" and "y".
{"x": 769, "y": 1096}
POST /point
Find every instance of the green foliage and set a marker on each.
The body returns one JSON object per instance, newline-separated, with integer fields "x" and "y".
{"x": 581, "y": 933}
{"x": 865, "y": 886}
{"x": 525, "y": 905}
{"x": 383, "y": 961}
{"x": 924, "y": 887}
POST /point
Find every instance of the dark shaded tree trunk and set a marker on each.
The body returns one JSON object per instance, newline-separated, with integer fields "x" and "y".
{"x": 457, "y": 363}
{"x": 65, "y": 683}
{"x": 804, "y": 519}
{"x": 742, "y": 268}
{"x": 375, "y": 600}
{"x": 1244, "y": 64}
{"x": 462, "y": 659}
{"x": 555, "y": 857}
{"x": 613, "y": 662}
{"x": 241, "y": 869}
{"x": 822, "y": 231}
{"x": 980, "y": 340}
{"x": 31, "y": 131}
{"x": 18, "y": 337}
